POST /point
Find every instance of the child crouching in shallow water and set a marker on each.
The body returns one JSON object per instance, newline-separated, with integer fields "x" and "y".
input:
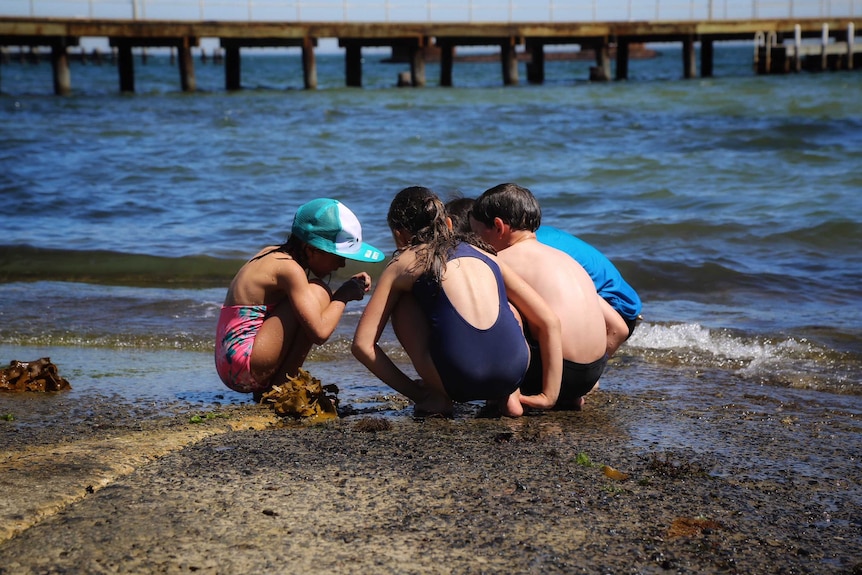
{"x": 449, "y": 309}
{"x": 273, "y": 312}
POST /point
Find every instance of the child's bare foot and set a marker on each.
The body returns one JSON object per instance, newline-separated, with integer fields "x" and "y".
{"x": 509, "y": 406}
{"x": 512, "y": 407}
{"x": 433, "y": 404}
{"x": 258, "y": 395}
{"x": 433, "y": 411}
{"x": 576, "y": 404}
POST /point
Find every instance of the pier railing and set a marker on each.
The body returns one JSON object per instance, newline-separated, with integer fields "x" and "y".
{"x": 432, "y": 11}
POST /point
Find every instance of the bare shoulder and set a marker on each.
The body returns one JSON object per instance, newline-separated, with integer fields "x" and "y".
{"x": 264, "y": 251}
{"x": 554, "y": 254}
{"x": 529, "y": 251}
{"x": 403, "y": 269}
{"x": 403, "y": 260}
{"x": 263, "y": 276}
{"x": 491, "y": 256}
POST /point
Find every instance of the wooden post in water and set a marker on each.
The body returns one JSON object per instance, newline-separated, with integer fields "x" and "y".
{"x": 851, "y": 41}
{"x": 232, "y": 67}
{"x": 187, "y": 64}
{"x": 707, "y": 55}
{"x": 353, "y": 64}
{"x": 417, "y": 66}
{"x": 797, "y": 47}
{"x": 622, "y": 59}
{"x": 309, "y": 64}
{"x": 771, "y": 41}
{"x": 509, "y": 61}
{"x": 758, "y": 43}
{"x": 447, "y": 52}
{"x": 60, "y": 67}
{"x": 536, "y": 65}
{"x": 601, "y": 72}
{"x": 689, "y": 63}
{"x": 126, "y": 67}
{"x": 824, "y": 43}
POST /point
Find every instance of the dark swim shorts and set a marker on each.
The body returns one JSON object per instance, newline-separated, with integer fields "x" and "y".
{"x": 578, "y": 378}
{"x": 632, "y": 324}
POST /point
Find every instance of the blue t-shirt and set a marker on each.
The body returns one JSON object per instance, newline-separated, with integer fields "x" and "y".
{"x": 609, "y": 283}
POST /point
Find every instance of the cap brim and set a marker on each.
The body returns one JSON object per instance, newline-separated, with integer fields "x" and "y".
{"x": 365, "y": 253}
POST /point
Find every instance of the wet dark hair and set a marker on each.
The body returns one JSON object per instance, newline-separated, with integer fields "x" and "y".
{"x": 515, "y": 205}
{"x": 458, "y": 210}
{"x": 419, "y": 212}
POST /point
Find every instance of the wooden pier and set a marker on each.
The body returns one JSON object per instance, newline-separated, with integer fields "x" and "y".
{"x": 837, "y": 43}
{"x": 773, "y": 56}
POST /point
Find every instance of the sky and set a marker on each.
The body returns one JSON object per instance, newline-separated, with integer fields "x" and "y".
{"x": 430, "y": 10}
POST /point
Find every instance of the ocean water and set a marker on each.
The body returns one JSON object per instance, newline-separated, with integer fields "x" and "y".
{"x": 732, "y": 204}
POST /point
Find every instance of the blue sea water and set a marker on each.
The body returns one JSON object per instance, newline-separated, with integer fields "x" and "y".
{"x": 732, "y": 204}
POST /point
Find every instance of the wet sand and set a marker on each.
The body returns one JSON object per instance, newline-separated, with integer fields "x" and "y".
{"x": 762, "y": 487}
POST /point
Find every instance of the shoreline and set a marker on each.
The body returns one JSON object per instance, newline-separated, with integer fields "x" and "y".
{"x": 776, "y": 493}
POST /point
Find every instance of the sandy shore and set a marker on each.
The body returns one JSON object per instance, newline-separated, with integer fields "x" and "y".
{"x": 756, "y": 491}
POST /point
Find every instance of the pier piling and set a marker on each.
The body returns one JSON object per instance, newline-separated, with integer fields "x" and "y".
{"x": 60, "y": 65}
{"x": 447, "y": 53}
{"x": 232, "y": 68}
{"x": 622, "y": 72}
{"x": 509, "y": 62}
{"x": 187, "y": 66}
{"x": 126, "y": 68}
{"x": 707, "y": 57}
{"x": 601, "y": 72}
{"x": 536, "y": 64}
{"x": 353, "y": 65}
{"x": 309, "y": 64}
{"x": 689, "y": 61}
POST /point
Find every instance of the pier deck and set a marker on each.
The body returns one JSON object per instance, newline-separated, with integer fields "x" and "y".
{"x": 412, "y": 38}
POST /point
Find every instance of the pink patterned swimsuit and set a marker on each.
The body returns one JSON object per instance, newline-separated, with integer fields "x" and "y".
{"x": 237, "y": 327}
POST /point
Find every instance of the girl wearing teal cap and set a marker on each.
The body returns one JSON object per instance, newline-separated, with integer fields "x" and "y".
{"x": 274, "y": 311}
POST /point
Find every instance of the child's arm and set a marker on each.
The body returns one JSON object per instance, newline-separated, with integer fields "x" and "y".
{"x": 545, "y": 325}
{"x": 318, "y": 323}
{"x": 377, "y": 313}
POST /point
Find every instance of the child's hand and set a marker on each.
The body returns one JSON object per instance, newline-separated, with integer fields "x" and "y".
{"x": 538, "y": 401}
{"x": 355, "y": 288}
{"x": 364, "y": 280}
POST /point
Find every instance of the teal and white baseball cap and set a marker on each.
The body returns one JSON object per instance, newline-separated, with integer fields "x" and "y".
{"x": 330, "y": 226}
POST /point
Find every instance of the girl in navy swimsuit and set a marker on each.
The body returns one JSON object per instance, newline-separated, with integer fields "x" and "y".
{"x": 449, "y": 309}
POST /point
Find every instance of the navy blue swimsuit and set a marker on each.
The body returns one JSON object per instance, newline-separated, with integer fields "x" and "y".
{"x": 473, "y": 363}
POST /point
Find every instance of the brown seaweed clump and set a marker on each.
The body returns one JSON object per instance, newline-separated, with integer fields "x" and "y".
{"x": 691, "y": 526}
{"x": 303, "y": 397}
{"x": 372, "y": 425}
{"x": 38, "y": 375}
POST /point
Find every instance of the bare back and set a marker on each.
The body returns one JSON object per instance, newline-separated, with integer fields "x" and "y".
{"x": 568, "y": 290}
{"x": 257, "y": 282}
{"x": 472, "y": 288}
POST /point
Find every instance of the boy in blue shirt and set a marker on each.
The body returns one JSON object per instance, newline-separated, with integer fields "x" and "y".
{"x": 623, "y": 305}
